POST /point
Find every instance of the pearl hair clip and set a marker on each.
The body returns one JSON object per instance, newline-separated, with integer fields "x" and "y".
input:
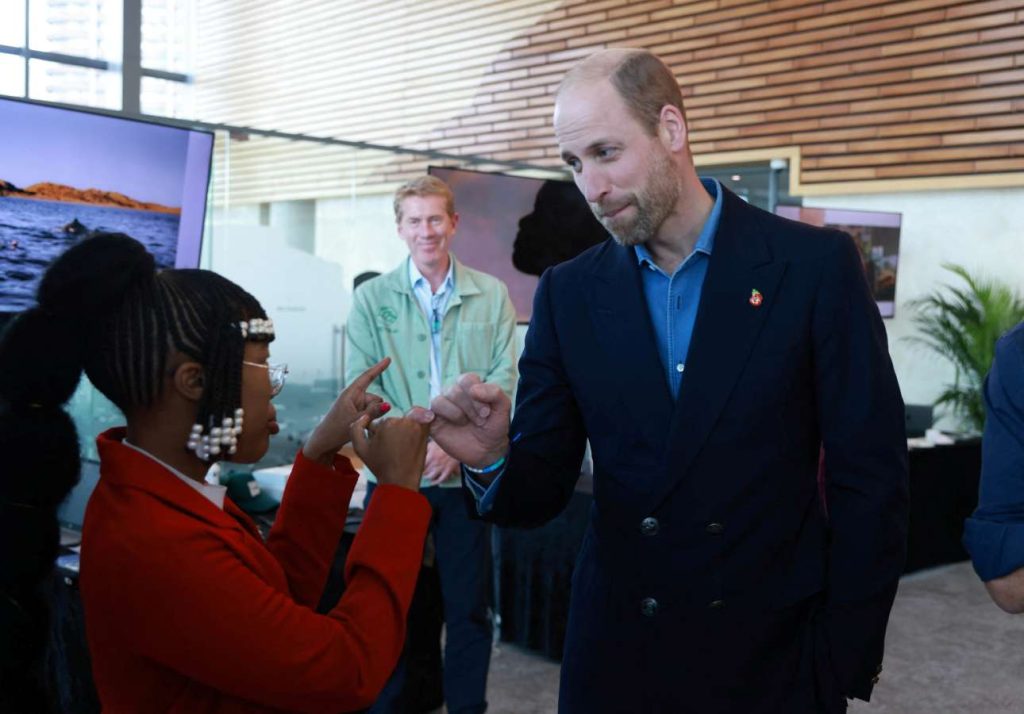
{"x": 256, "y": 326}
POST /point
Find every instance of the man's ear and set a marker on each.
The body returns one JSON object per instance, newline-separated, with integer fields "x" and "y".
{"x": 188, "y": 380}
{"x": 672, "y": 129}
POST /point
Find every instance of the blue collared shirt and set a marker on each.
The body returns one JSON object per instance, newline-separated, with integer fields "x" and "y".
{"x": 994, "y": 534}
{"x": 672, "y": 302}
{"x": 434, "y": 306}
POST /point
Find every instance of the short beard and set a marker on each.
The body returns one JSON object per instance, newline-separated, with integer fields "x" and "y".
{"x": 654, "y": 203}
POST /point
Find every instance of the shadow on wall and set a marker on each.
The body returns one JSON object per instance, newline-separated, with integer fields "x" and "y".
{"x": 560, "y": 227}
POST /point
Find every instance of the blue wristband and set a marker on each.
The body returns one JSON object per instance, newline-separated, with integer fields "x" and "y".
{"x": 487, "y": 469}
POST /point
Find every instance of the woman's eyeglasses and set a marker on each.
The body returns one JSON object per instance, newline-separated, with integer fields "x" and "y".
{"x": 277, "y": 372}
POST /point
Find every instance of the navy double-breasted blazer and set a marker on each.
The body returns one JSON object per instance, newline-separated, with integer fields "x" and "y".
{"x": 711, "y": 578}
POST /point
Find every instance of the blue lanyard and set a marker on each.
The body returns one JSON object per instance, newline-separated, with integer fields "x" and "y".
{"x": 435, "y": 307}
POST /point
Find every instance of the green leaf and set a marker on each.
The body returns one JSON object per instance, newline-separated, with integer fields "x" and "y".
{"x": 961, "y": 324}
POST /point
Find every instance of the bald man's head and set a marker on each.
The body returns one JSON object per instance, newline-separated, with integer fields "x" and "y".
{"x": 643, "y": 81}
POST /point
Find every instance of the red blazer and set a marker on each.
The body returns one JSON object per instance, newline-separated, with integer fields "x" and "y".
{"x": 188, "y": 611}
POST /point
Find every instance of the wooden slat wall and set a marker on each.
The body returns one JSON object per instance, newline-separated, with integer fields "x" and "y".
{"x": 386, "y": 72}
{"x": 865, "y": 90}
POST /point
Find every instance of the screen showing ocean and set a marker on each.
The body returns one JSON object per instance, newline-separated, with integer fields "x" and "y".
{"x": 33, "y": 233}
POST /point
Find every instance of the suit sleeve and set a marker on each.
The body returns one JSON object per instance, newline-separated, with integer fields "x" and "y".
{"x": 861, "y": 415}
{"x": 503, "y": 356}
{"x": 994, "y": 534}
{"x": 547, "y": 434}
{"x": 212, "y": 618}
{"x": 309, "y": 523}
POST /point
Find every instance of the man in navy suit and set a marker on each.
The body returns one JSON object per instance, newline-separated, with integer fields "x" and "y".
{"x": 994, "y": 534}
{"x": 708, "y": 353}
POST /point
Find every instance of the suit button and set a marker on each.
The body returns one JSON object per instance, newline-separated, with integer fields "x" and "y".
{"x": 716, "y": 604}
{"x": 421, "y": 337}
{"x": 649, "y": 526}
{"x": 648, "y": 607}
{"x": 421, "y": 374}
{"x": 714, "y": 528}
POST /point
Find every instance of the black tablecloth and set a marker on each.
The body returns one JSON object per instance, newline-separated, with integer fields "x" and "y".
{"x": 535, "y": 577}
{"x": 943, "y": 493}
{"x": 536, "y": 565}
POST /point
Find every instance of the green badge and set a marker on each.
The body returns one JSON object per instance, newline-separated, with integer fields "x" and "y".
{"x": 388, "y": 315}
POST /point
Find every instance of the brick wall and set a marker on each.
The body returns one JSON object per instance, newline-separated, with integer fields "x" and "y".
{"x": 857, "y": 93}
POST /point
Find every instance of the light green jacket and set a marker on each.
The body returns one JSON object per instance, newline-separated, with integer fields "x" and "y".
{"x": 477, "y": 335}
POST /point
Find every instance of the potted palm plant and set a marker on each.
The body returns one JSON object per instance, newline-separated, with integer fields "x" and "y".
{"x": 962, "y": 323}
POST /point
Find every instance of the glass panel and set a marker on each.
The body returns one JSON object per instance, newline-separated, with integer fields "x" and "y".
{"x": 167, "y": 34}
{"x": 752, "y": 182}
{"x": 294, "y": 223}
{"x": 164, "y": 98}
{"x": 83, "y": 28}
{"x": 12, "y": 29}
{"x": 57, "y": 82}
{"x": 282, "y": 209}
{"x": 93, "y": 414}
{"x": 12, "y": 75}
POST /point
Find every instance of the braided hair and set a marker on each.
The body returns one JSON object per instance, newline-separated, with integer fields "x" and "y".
{"x": 102, "y": 307}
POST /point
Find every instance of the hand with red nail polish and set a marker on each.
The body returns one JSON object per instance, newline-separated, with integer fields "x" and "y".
{"x": 333, "y": 432}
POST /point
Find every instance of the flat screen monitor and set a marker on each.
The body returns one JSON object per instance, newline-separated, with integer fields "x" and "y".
{"x": 514, "y": 228}
{"x": 65, "y": 173}
{"x": 877, "y": 235}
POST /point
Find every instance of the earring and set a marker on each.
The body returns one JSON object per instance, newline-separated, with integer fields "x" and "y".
{"x": 221, "y": 438}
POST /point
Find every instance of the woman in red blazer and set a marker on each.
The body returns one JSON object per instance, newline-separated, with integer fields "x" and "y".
{"x": 186, "y": 608}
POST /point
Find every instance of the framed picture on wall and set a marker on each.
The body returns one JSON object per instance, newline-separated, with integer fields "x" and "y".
{"x": 877, "y": 235}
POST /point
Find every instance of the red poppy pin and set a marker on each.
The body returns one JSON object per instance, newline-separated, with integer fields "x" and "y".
{"x": 756, "y": 298}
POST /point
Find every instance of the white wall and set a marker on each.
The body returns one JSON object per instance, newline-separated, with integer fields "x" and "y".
{"x": 981, "y": 229}
{"x": 359, "y": 235}
{"x": 302, "y": 293}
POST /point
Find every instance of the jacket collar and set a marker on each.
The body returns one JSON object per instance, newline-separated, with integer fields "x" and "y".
{"x": 123, "y": 467}
{"x": 725, "y": 330}
{"x": 465, "y": 282}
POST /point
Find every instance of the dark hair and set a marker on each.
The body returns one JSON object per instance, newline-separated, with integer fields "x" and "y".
{"x": 102, "y": 307}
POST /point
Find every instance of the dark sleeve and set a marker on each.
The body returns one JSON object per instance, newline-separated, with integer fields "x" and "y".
{"x": 994, "y": 535}
{"x": 547, "y": 435}
{"x": 861, "y": 414}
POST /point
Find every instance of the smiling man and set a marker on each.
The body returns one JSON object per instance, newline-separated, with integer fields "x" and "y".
{"x": 437, "y": 319}
{"x": 709, "y": 351}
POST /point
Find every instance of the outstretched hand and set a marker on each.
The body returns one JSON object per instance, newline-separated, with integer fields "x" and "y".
{"x": 333, "y": 432}
{"x": 470, "y": 421}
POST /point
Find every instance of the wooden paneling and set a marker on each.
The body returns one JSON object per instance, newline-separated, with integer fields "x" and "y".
{"x": 863, "y": 89}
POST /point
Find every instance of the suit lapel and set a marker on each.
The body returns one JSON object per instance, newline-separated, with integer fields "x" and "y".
{"x": 618, "y": 311}
{"x": 727, "y": 328}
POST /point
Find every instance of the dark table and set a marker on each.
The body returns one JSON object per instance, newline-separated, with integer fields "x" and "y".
{"x": 943, "y": 493}
{"x": 535, "y": 566}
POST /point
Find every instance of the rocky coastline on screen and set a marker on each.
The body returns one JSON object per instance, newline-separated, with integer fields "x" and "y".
{"x": 47, "y": 191}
